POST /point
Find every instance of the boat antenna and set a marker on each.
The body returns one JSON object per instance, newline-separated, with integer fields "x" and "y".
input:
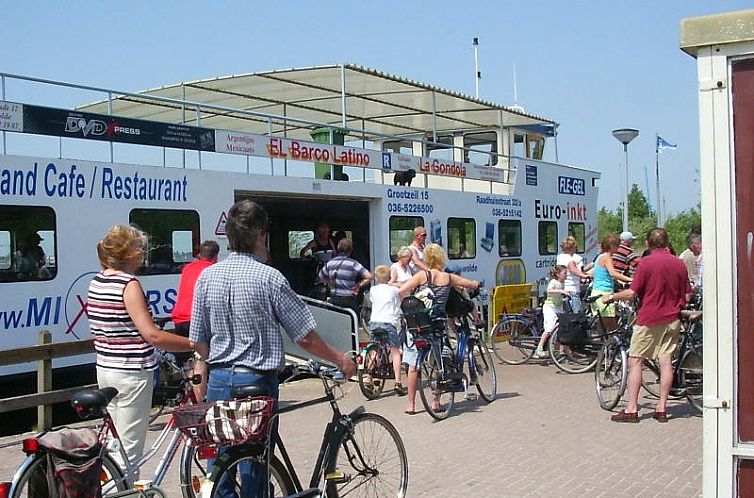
{"x": 515, "y": 107}
{"x": 477, "y": 72}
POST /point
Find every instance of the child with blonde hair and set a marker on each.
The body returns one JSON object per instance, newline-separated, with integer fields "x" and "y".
{"x": 553, "y": 305}
{"x": 386, "y": 306}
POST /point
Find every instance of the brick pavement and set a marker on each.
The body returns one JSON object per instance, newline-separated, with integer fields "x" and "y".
{"x": 545, "y": 436}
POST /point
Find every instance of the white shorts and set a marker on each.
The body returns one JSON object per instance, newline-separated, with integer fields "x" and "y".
{"x": 550, "y": 314}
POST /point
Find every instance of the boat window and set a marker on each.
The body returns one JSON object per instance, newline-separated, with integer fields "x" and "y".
{"x": 536, "y": 146}
{"x": 548, "y": 237}
{"x": 402, "y": 232}
{"x": 518, "y": 149}
{"x": 28, "y": 244}
{"x": 461, "y": 238}
{"x": 443, "y": 149}
{"x": 577, "y": 231}
{"x": 482, "y": 145}
{"x": 509, "y": 238}
{"x": 172, "y": 239}
{"x": 400, "y": 146}
{"x": 297, "y": 239}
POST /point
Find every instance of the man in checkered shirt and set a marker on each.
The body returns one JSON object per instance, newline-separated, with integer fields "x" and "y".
{"x": 239, "y": 306}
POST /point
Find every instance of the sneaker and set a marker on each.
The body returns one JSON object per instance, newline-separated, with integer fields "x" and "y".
{"x": 539, "y": 354}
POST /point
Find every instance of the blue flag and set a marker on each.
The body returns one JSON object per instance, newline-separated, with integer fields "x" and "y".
{"x": 664, "y": 144}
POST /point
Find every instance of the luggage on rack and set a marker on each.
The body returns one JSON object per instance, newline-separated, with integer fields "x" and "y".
{"x": 75, "y": 455}
{"x": 574, "y": 329}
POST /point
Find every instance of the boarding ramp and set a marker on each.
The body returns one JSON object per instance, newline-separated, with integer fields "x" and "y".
{"x": 337, "y": 326}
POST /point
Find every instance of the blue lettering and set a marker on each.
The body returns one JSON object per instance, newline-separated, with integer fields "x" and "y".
{"x": 153, "y": 299}
{"x": 107, "y": 180}
{"x": 36, "y": 316}
{"x": 10, "y": 319}
{"x": 50, "y": 171}
{"x": 170, "y": 295}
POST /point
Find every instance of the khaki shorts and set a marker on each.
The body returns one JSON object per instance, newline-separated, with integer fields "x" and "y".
{"x": 655, "y": 340}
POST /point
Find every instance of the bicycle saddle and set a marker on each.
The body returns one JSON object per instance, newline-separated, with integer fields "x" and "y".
{"x": 240, "y": 392}
{"x": 90, "y": 402}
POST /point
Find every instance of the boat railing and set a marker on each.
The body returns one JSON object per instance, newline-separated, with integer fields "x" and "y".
{"x": 500, "y": 179}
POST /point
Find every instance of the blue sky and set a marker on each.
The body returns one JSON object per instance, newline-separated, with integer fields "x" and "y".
{"x": 592, "y": 66}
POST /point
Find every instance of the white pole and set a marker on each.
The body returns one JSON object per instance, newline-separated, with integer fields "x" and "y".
{"x": 625, "y": 199}
{"x": 477, "y": 74}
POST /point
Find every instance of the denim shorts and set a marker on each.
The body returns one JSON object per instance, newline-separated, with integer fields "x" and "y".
{"x": 393, "y": 338}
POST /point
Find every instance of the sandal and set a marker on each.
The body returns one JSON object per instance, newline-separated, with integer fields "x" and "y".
{"x": 399, "y": 389}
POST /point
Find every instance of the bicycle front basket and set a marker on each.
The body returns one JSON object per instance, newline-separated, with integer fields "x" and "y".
{"x": 225, "y": 422}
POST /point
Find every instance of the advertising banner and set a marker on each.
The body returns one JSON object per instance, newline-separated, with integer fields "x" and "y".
{"x": 73, "y": 124}
{"x": 11, "y": 116}
{"x": 233, "y": 142}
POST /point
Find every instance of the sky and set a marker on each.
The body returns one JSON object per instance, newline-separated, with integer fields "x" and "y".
{"x": 591, "y": 66}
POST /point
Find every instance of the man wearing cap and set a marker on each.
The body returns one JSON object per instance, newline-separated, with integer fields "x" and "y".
{"x": 625, "y": 259}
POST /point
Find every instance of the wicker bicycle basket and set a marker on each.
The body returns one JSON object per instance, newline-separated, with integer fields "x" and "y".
{"x": 225, "y": 422}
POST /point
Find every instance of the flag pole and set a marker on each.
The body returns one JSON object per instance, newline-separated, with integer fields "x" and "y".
{"x": 657, "y": 177}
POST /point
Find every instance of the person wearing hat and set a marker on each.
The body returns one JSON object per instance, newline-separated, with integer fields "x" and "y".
{"x": 30, "y": 257}
{"x": 625, "y": 259}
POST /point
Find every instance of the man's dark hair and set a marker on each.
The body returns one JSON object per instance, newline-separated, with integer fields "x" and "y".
{"x": 245, "y": 220}
{"x": 657, "y": 238}
{"x": 208, "y": 249}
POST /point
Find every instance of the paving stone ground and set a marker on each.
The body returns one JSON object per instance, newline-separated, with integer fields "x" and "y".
{"x": 545, "y": 436}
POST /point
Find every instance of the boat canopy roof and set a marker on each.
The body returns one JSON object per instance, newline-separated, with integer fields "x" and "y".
{"x": 717, "y": 29}
{"x": 345, "y": 95}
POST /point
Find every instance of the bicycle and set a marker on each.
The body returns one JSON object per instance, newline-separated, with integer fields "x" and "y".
{"x": 441, "y": 363}
{"x": 361, "y": 453}
{"x": 90, "y": 403}
{"x": 611, "y": 370}
{"x": 376, "y": 365}
{"x": 579, "y": 355}
{"x": 686, "y": 361}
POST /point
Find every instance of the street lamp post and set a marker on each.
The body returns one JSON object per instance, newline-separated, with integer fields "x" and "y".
{"x": 625, "y": 136}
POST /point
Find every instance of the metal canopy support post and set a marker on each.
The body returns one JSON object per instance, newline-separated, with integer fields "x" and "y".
{"x": 434, "y": 117}
{"x": 110, "y": 113}
{"x": 198, "y": 124}
{"x": 332, "y": 166}
{"x": 183, "y": 117}
{"x": 285, "y": 135}
{"x": 557, "y": 159}
{"x": 2, "y": 97}
{"x": 342, "y": 97}
{"x": 269, "y": 133}
{"x": 363, "y": 146}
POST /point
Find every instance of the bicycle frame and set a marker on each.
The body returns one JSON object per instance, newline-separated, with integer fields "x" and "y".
{"x": 108, "y": 429}
{"x": 331, "y": 435}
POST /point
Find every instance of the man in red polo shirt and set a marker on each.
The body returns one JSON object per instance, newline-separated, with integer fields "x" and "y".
{"x": 661, "y": 283}
{"x": 181, "y": 314}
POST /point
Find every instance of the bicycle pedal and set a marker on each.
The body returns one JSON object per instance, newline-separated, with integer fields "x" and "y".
{"x": 336, "y": 477}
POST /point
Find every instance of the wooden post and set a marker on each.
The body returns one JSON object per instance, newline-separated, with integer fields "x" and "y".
{"x": 44, "y": 383}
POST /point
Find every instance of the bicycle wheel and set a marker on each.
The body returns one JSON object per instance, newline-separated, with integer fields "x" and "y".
{"x": 567, "y": 359}
{"x": 371, "y": 385}
{"x": 228, "y": 478}
{"x": 514, "y": 329}
{"x": 484, "y": 370}
{"x": 611, "y": 373}
{"x": 436, "y": 394}
{"x": 650, "y": 380}
{"x": 691, "y": 377}
{"x": 369, "y": 460}
{"x": 32, "y": 480}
